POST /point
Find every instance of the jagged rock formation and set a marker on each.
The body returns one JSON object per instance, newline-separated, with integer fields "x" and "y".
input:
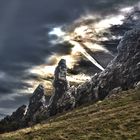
{"x": 61, "y": 86}
{"x": 121, "y": 74}
{"x": 19, "y": 113}
{"x": 25, "y": 116}
{"x": 15, "y": 121}
{"x": 37, "y": 103}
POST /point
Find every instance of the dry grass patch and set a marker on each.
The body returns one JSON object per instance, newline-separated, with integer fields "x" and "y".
{"x": 117, "y": 118}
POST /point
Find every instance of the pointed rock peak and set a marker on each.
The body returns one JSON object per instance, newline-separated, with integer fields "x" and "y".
{"x": 38, "y": 95}
{"x": 60, "y": 81}
{"x": 21, "y": 109}
{"x": 62, "y": 62}
{"x": 61, "y": 86}
{"x": 40, "y": 90}
{"x": 37, "y": 102}
{"x": 19, "y": 113}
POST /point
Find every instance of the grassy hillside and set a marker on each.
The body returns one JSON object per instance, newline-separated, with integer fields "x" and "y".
{"x": 115, "y": 118}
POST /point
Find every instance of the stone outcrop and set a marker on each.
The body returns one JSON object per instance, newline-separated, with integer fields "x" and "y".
{"x": 123, "y": 71}
{"x": 61, "y": 86}
{"x": 121, "y": 74}
{"x": 19, "y": 113}
{"x": 37, "y": 103}
{"x": 26, "y": 115}
{"x": 15, "y": 121}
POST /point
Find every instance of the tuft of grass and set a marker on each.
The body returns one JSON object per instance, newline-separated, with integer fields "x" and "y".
{"x": 115, "y": 118}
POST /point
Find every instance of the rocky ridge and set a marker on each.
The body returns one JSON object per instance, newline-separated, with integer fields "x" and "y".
{"x": 122, "y": 73}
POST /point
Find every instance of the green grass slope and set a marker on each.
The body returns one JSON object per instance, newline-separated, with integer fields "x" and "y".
{"x": 116, "y": 118}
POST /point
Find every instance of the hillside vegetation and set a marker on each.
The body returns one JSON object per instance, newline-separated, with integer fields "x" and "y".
{"x": 117, "y": 117}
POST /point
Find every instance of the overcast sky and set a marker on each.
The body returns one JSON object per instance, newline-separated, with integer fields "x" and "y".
{"x": 24, "y": 42}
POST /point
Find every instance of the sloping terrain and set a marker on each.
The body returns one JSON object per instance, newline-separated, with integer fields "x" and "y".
{"x": 122, "y": 73}
{"x": 117, "y": 117}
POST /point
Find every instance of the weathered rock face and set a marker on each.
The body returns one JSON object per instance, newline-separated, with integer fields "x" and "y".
{"x": 60, "y": 82}
{"x": 61, "y": 86}
{"x": 123, "y": 71}
{"x": 37, "y": 103}
{"x": 18, "y": 114}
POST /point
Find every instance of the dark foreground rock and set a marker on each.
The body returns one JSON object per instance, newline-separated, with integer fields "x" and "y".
{"x": 15, "y": 121}
{"x": 122, "y": 73}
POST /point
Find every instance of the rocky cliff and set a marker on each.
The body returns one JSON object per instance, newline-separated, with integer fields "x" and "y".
{"x": 122, "y": 73}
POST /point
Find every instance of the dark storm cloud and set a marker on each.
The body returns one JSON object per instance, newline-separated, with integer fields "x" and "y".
{"x": 13, "y": 102}
{"x": 62, "y": 48}
{"x": 84, "y": 66}
{"x": 9, "y": 86}
{"x": 23, "y": 33}
{"x": 25, "y": 43}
